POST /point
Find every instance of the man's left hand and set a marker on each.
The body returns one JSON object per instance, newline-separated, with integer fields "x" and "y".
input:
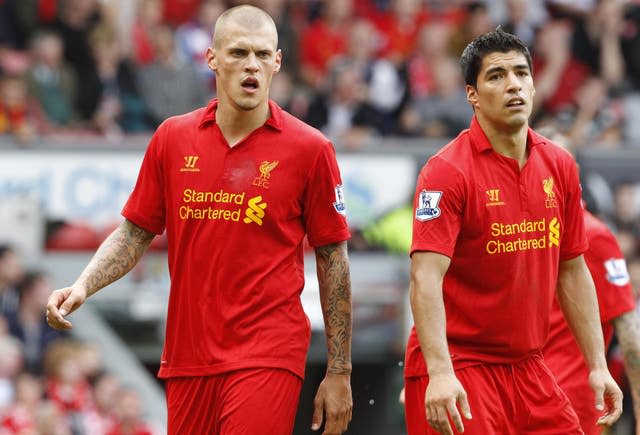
{"x": 333, "y": 401}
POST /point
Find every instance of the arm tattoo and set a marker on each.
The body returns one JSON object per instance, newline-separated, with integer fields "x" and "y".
{"x": 627, "y": 328}
{"x": 335, "y": 297}
{"x": 116, "y": 256}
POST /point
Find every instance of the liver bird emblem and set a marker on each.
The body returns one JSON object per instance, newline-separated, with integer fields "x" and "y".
{"x": 547, "y": 185}
{"x": 266, "y": 167}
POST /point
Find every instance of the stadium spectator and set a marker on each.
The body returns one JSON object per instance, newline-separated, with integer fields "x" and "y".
{"x": 76, "y": 19}
{"x": 148, "y": 18}
{"x": 118, "y": 106}
{"x": 52, "y": 82}
{"x": 398, "y": 29}
{"x": 19, "y": 114}
{"x": 102, "y": 418}
{"x": 386, "y": 87}
{"x": 128, "y": 414}
{"x": 558, "y": 73}
{"x": 50, "y": 420}
{"x": 193, "y": 38}
{"x": 11, "y": 364}
{"x": 477, "y": 22}
{"x": 444, "y": 112}
{"x": 28, "y": 324}
{"x": 66, "y": 384}
{"x": 343, "y": 114}
{"x": 11, "y": 271}
{"x": 20, "y": 418}
{"x": 170, "y": 86}
{"x": 323, "y": 39}
{"x": 432, "y": 47}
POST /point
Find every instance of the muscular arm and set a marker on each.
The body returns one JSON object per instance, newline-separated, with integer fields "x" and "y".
{"x": 577, "y": 298}
{"x": 444, "y": 391}
{"x": 627, "y": 328}
{"x": 114, "y": 258}
{"x": 333, "y": 401}
{"x": 335, "y": 297}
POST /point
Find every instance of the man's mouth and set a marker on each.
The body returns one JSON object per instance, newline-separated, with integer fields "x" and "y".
{"x": 515, "y": 102}
{"x": 250, "y": 84}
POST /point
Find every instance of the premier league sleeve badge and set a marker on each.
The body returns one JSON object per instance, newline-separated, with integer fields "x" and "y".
{"x": 428, "y": 205}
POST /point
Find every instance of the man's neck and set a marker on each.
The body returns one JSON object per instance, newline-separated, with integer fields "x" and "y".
{"x": 509, "y": 143}
{"x": 236, "y": 124}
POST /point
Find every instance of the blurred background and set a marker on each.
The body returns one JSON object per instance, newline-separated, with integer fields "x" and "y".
{"x": 84, "y": 83}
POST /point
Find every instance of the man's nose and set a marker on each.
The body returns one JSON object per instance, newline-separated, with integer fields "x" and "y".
{"x": 252, "y": 62}
{"x": 514, "y": 83}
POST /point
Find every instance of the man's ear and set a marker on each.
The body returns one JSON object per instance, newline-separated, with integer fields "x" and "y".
{"x": 472, "y": 95}
{"x": 278, "y": 61}
{"x": 211, "y": 59}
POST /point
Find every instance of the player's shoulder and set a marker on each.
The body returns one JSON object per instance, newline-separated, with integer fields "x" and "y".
{"x": 596, "y": 228}
{"x": 550, "y": 148}
{"x": 186, "y": 121}
{"x": 455, "y": 156}
{"x": 302, "y": 134}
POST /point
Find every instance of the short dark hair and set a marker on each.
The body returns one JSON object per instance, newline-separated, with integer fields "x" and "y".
{"x": 496, "y": 41}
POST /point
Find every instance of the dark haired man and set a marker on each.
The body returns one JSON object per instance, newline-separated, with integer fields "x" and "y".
{"x": 504, "y": 228}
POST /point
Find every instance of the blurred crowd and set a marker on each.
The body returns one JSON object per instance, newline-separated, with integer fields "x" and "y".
{"x": 356, "y": 69}
{"x": 51, "y": 384}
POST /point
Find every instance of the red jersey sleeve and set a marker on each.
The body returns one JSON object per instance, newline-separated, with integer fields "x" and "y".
{"x": 574, "y": 239}
{"x": 323, "y": 201}
{"x": 610, "y": 276}
{"x": 438, "y": 205}
{"x": 146, "y": 206}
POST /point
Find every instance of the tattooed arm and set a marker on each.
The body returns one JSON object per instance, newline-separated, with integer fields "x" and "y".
{"x": 627, "y": 328}
{"x": 333, "y": 399}
{"x": 116, "y": 256}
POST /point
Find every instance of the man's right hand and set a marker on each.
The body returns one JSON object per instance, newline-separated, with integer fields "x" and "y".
{"x": 443, "y": 396}
{"x": 63, "y": 302}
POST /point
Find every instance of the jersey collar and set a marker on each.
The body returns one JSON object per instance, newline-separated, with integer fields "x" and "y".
{"x": 274, "y": 121}
{"x": 481, "y": 143}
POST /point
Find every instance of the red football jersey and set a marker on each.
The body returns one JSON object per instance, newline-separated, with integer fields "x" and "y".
{"x": 615, "y": 297}
{"x": 236, "y": 218}
{"x": 506, "y": 230}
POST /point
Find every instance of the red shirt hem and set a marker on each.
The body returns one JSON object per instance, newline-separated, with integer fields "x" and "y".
{"x": 216, "y": 369}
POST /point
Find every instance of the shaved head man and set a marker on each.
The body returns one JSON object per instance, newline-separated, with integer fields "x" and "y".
{"x": 238, "y": 185}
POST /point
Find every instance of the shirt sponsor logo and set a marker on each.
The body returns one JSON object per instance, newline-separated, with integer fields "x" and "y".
{"x": 190, "y": 163}
{"x": 617, "y": 273}
{"x": 255, "y": 211}
{"x": 265, "y": 169}
{"x": 530, "y": 234}
{"x": 340, "y": 205}
{"x": 428, "y": 205}
{"x": 494, "y": 197}
{"x": 547, "y": 186}
{"x": 221, "y": 205}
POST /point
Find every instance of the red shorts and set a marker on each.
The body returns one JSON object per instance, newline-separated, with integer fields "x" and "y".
{"x": 506, "y": 399}
{"x": 243, "y": 402}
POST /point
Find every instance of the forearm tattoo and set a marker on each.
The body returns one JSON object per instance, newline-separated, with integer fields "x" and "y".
{"x": 627, "y": 328}
{"x": 335, "y": 297}
{"x": 117, "y": 255}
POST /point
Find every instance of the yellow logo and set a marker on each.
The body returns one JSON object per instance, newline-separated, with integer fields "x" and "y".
{"x": 265, "y": 173}
{"x": 494, "y": 197}
{"x": 255, "y": 212}
{"x": 554, "y": 232}
{"x": 190, "y": 164}
{"x": 547, "y": 186}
